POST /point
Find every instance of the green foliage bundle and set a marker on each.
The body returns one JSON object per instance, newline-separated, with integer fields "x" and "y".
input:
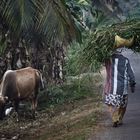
{"x": 100, "y": 44}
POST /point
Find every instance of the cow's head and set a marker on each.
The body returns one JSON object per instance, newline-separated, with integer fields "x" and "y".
{"x": 2, "y": 105}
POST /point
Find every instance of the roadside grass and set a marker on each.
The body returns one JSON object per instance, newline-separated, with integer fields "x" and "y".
{"x": 75, "y": 88}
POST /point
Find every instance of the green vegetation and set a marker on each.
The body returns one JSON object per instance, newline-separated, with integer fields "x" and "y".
{"x": 73, "y": 65}
{"x": 76, "y": 88}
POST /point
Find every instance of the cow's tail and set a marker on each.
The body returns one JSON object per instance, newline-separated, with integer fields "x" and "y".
{"x": 41, "y": 80}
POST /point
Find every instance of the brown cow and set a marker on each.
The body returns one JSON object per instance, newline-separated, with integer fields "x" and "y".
{"x": 19, "y": 85}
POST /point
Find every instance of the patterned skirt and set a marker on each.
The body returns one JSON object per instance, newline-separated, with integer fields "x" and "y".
{"x": 116, "y": 100}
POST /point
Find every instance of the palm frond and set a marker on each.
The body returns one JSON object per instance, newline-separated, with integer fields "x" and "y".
{"x": 20, "y": 15}
{"x": 57, "y": 22}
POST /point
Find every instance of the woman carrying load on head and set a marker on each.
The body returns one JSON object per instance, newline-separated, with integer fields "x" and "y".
{"x": 119, "y": 76}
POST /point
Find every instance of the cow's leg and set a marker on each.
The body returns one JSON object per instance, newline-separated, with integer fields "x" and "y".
{"x": 34, "y": 101}
{"x": 34, "y": 105}
{"x": 16, "y": 104}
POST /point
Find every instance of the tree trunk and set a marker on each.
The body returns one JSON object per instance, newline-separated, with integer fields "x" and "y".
{"x": 49, "y": 60}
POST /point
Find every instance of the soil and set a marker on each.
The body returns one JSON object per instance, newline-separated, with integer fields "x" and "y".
{"x": 73, "y": 121}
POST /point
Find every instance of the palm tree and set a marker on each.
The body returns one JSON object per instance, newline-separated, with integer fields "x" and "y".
{"x": 43, "y": 23}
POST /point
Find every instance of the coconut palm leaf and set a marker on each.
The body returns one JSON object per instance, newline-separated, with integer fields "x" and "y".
{"x": 57, "y": 22}
{"x": 50, "y": 18}
{"x": 21, "y": 15}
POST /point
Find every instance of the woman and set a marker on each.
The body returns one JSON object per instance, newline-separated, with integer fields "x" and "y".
{"x": 119, "y": 75}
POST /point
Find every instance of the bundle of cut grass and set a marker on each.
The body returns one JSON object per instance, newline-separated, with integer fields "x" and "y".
{"x": 101, "y": 43}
